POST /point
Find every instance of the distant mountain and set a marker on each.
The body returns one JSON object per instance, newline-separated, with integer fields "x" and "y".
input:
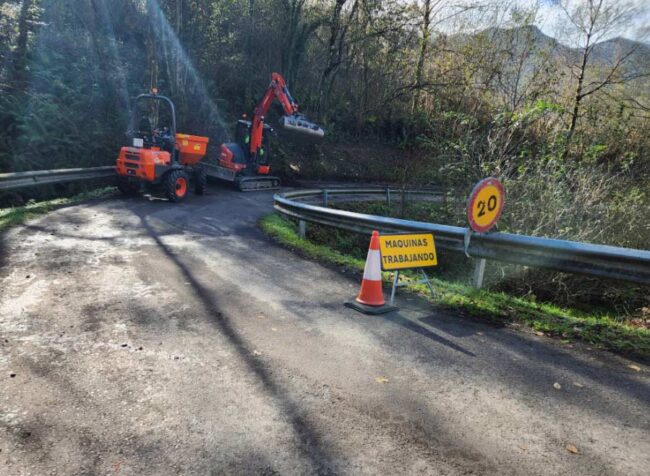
{"x": 611, "y": 50}
{"x": 522, "y": 35}
{"x": 532, "y": 40}
{"x": 507, "y": 38}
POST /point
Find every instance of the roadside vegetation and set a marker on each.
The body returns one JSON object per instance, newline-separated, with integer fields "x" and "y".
{"x": 629, "y": 301}
{"x": 19, "y": 214}
{"x": 597, "y": 328}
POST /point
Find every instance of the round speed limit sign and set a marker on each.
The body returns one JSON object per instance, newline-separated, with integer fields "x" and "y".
{"x": 485, "y": 204}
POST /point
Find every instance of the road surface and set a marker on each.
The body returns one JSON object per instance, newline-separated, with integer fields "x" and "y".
{"x": 143, "y": 338}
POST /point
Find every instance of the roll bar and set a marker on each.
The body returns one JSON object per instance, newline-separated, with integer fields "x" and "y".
{"x": 164, "y": 99}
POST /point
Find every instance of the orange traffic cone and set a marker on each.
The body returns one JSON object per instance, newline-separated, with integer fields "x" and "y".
{"x": 371, "y": 293}
{"x": 371, "y": 297}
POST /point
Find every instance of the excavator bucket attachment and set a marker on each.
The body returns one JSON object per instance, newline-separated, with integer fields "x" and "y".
{"x": 300, "y": 125}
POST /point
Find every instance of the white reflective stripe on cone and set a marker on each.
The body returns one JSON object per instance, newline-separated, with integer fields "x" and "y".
{"x": 372, "y": 271}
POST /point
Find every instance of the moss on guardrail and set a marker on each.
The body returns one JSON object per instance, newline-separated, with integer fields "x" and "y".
{"x": 600, "y": 330}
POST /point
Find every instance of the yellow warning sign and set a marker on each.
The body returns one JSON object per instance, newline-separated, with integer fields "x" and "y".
{"x": 416, "y": 250}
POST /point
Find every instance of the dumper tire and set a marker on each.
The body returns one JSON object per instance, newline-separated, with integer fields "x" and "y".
{"x": 200, "y": 180}
{"x": 176, "y": 185}
{"x": 127, "y": 188}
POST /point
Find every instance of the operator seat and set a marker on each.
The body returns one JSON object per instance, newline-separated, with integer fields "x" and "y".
{"x": 145, "y": 129}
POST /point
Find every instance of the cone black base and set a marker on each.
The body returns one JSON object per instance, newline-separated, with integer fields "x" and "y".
{"x": 372, "y": 310}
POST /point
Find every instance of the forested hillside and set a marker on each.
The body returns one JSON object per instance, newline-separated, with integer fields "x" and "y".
{"x": 409, "y": 91}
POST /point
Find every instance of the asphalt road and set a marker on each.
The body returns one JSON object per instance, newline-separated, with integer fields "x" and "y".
{"x": 143, "y": 338}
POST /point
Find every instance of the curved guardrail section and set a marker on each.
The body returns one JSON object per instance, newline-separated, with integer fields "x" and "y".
{"x": 18, "y": 180}
{"x": 559, "y": 255}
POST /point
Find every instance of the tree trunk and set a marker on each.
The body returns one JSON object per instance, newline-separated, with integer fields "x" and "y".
{"x": 152, "y": 61}
{"x": 248, "y": 90}
{"x": 333, "y": 54}
{"x": 424, "y": 44}
{"x": 578, "y": 96}
{"x": 179, "y": 61}
{"x": 290, "y": 52}
{"x": 18, "y": 76}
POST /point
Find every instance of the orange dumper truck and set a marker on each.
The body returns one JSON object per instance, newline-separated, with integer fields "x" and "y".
{"x": 158, "y": 157}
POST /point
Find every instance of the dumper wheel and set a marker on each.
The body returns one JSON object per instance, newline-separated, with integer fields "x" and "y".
{"x": 200, "y": 180}
{"x": 126, "y": 187}
{"x": 176, "y": 185}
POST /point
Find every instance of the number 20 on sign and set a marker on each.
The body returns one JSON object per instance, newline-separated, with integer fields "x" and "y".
{"x": 485, "y": 205}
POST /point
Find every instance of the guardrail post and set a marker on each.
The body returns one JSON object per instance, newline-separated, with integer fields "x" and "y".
{"x": 325, "y": 198}
{"x": 388, "y": 197}
{"x": 302, "y": 229}
{"x": 479, "y": 272}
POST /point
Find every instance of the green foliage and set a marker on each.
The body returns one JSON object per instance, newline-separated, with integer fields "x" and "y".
{"x": 17, "y": 215}
{"x": 285, "y": 232}
{"x": 535, "y": 111}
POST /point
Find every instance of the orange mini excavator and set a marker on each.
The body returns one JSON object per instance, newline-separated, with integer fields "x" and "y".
{"x": 246, "y": 161}
{"x": 157, "y": 156}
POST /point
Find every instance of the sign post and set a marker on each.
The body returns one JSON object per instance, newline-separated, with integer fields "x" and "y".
{"x": 484, "y": 208}
{"x": 408, "y": 251}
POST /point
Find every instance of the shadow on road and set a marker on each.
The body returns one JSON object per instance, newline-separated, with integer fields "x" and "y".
{"x": 526, "y": 363}
{"x": 37, "y": 431}
{"x": 399, "y": 319}
{"x": 458, "y": 326}
{"x": 311, "y": 447}
{"x": 533, "y": 365}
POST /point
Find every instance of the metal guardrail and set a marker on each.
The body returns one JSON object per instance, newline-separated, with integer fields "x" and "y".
{"x": 559, "y": 255}
{"x": 19, "y": 180}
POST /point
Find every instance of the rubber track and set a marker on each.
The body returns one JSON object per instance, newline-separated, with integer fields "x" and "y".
{"x": 252, "y": 184}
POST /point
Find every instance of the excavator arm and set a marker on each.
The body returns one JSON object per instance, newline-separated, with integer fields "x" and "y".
{"x": 277, "y": 89}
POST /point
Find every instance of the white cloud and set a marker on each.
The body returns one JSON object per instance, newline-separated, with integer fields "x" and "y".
{"x": 551, "y": 18}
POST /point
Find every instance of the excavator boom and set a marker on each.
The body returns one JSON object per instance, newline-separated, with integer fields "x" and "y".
{"x": 291, "y": 120}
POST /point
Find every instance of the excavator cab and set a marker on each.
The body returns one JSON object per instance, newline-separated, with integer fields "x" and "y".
{"x": 242, "y": 165}
{"x": 243, "y": 132}
{"x": 243, "y": 138}
{"x": 157, "y": 156}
